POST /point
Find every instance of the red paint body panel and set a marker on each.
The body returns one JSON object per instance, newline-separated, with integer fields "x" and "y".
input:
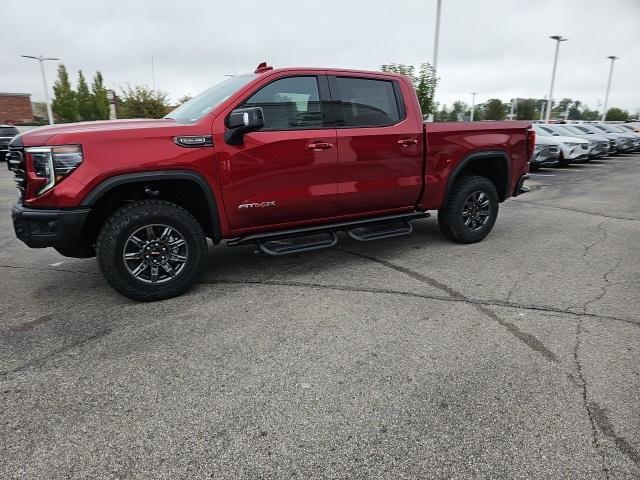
{"x": 366, "y": 172}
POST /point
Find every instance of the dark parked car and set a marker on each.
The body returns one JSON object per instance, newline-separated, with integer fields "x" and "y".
{"x": 7, "y": 132}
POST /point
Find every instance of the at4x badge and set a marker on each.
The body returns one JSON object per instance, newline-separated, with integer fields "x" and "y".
{"x": 257, "y": 205}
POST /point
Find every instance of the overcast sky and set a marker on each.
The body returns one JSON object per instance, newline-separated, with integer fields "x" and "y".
{"x": 498, "y": 48}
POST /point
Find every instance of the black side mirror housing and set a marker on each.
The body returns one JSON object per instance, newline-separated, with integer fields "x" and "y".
{"x": 242, "y": 121}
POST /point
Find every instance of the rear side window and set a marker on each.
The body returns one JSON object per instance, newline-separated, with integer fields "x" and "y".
{"x": 289, "y": 104}
{"x": 368, "y": 103}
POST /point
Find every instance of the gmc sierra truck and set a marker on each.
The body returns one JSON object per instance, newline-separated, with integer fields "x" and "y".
{"x": 281, "y": 158}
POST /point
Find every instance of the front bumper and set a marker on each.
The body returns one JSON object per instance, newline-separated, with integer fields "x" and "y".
{"x": 39, "y": 228}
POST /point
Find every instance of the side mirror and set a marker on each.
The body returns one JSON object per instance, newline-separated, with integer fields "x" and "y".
{"x": 242, "y": 121}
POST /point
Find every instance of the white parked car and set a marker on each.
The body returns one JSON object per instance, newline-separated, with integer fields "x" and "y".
{"x": 572, "y": 149}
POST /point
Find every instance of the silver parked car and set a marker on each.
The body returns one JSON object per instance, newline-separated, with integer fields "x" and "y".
{"x": 546, "y": 153}
{"x": 634, "y": 139}
{"x": 600, "y": 145}
{"x": 572, "y": 149}
{"x": 7, "y": 132}
{"x": 622, "y": 144}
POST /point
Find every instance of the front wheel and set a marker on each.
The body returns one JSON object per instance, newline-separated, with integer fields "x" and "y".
{"x": 151, "y": 250}
{"x": 471, "y": 210}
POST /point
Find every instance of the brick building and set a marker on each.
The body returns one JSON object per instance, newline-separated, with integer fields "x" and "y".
{"x": 15, "y": 108}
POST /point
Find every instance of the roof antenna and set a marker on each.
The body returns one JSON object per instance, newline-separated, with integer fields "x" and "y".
{"x": 263, "y": 67}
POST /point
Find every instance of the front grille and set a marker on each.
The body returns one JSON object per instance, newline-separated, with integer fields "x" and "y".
{"x": 15, "y": 163}
{"x": 553, "y": 149}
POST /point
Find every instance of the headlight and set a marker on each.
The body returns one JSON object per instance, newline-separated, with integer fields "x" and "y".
{"x": 54, "y": 163}
{"x": 570, "y": 144}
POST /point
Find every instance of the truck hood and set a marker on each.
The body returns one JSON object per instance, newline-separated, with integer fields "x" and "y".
{"x": 45, "y": 135}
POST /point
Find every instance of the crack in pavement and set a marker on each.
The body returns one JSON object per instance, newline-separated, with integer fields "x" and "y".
{"x": 577, "y": 210}
{"x": 605, "y": 236}
{"x": 36, "y": 362}
{"x": 582, "y": 384}
{"x": 529, "y": 340}
{"x": 608, "y": 283}
{"x": 480, "y": 301}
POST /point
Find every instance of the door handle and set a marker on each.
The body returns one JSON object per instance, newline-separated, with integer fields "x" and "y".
{"x": 319, "y": 146}
{"x": 406, "y": 142}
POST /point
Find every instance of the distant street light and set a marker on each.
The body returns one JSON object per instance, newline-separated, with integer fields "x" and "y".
{"x": 436, "y": 42}
{"x": 41, "y": 59}
{"x": 542, "y": 106}
{"x": 513, "y": 106}
{"x": 473, "y": 105}
{"x": 558, "y": 39}
{"x": 606, "y": 96}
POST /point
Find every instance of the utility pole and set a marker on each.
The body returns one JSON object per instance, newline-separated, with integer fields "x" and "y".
{"x": 153, "y": 74}
{"x": 473, "y": 105}
{"x": 606, "y": 96}
{"x": 558, "y": 39}
{"x": 436, "y": 43}
{"x": 42, "y": 59}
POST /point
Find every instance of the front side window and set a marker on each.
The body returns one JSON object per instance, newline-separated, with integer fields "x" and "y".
{"x": 289, "y": 104}
{"x": 368, "y": 103}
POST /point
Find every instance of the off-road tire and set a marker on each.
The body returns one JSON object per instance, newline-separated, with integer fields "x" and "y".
{"x": 115, "y": 232}
{"x": 450, "y": 217}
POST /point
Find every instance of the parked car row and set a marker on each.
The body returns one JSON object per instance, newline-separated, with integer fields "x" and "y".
{"x": 563, "y": 144}
{"x": 7, "y": 132}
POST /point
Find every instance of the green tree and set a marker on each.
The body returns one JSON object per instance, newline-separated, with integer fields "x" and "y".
{"x": 85, "y": 100}
{"x": 442, "y": 115}
{"x": 142, "y": 102}
{"x": 458, "y": 111}
{"x": 494, "y": 109}
{"x": 100, "y": 100}
{"x": 574, "y": 110}
{"x": 526, "y": 108}
{"x": 617, "y": 114}
{"x": 65, "y": 101}
{"x": 588, "y": 114}
{"x": 424, "y": 82}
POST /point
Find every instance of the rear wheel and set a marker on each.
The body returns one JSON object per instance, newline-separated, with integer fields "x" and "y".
{"x": 151, "y": 250}
{"x": 471, "y": 210}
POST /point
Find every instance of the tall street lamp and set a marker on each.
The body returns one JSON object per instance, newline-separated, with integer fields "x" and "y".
{"x": 558, "y": 39}
{"x": 41, "y": 59}
{"x": 473, "y": 105}
{"x": 606, "y": 96}
{"x": 436, "y": 43}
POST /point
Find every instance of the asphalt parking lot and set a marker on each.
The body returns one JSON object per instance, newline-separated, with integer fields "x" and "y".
{"x": 518, "y": 357}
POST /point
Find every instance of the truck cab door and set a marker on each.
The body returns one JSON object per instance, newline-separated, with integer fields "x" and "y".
{"x": 287, "y": 171}
{"x": 379, "y": 147}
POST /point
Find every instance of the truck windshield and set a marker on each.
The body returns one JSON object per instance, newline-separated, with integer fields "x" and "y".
{"x": 196, "y": 108}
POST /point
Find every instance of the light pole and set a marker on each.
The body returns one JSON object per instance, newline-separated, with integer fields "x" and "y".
{"x": 558, "y": 39}
{"x": 513, "y": 105}
{"x": 542, "y": 107}
{"x": 41, "y": 59}
{"x": 436, "y": 43}
{"x": 606, "y": 95}
{"x": 473, "y": 105}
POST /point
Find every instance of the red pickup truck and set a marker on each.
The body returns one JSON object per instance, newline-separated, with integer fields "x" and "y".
{"x": 280, "y": 158}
